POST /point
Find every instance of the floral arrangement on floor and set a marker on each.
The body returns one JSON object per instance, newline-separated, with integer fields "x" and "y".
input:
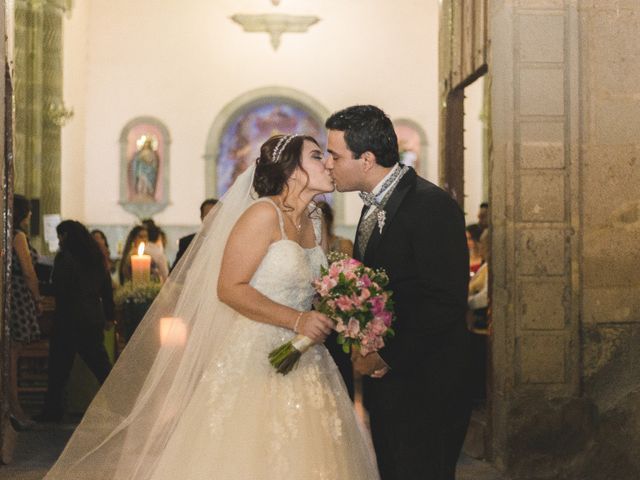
{"x": 139, "y": 292}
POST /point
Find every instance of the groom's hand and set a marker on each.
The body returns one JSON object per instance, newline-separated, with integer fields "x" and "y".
{"x": 372, "y": 365}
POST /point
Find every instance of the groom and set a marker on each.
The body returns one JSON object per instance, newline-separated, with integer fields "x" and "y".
{"x": 417, "y": 393}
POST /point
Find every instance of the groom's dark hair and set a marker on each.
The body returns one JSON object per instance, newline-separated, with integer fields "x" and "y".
{"x": 367, "y": 129}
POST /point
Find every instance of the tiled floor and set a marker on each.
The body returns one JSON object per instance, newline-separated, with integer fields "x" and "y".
{"x": 38, "y": 448}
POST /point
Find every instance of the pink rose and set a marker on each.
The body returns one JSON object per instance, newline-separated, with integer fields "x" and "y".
{"x": 378, "y": 326}
{"x": 335, "y": 269}
{"x": 352, "y": 263}
{"x": 365, "y": 281}
{"x": 364, "y": 295}
{"x": 344, "y": 303}
{"x": 387, "y": 317}
{"x": 325, "y": 285}
{"x": 340, "y": 327}
{"x": 353, "y": 328}
{"x": 377, "y": 305}
{"x": 350, "y": 275}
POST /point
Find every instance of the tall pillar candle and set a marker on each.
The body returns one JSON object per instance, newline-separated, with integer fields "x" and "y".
{"x": 140, "y": 266}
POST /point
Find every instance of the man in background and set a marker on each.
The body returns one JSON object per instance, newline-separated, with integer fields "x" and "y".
{"x": 184, "y": 242}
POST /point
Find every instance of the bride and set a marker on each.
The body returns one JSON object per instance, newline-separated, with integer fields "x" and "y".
{"x": 193, "y": 395}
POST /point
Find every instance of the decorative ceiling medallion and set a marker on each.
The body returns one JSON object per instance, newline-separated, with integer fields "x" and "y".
{"x": 275, "y": 24}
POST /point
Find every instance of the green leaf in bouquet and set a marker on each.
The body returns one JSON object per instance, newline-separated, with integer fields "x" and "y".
{"x": 346, "y": 348}
{"x": 341, "y": 339}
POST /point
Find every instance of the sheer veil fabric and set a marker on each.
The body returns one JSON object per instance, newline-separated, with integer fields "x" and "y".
{"x": 152, "y": 420}
{"x": 135, "y": 411}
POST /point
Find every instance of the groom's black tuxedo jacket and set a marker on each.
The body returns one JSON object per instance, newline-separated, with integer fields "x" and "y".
{"x": 423, "y": 249}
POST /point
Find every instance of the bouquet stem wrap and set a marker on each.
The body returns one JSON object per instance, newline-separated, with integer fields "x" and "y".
{"x": 286, "y": 356}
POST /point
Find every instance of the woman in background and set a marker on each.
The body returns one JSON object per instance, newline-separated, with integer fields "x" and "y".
{"x": 334, "y": 242}
{"x": 103, "y": 244}
{"x": 137, "y": 235}
{"x": 84, "y": 302}
{"x": 473, "y": 242}
{"x": 156, "y": 248}
{"x": 25, "y": 297}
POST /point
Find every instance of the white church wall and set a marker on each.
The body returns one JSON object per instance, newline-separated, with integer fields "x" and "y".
{"x": 75, "y": 77}
{"x": 183, "y": 61}
{"x": 473, "y": 153}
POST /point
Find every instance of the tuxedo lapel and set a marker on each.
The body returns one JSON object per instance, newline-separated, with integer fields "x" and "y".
{"x": 406, "y": 183}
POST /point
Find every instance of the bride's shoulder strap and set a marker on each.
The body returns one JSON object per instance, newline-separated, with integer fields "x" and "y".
{"x": 278, "y": 211}
{"x": 316, "y": 221}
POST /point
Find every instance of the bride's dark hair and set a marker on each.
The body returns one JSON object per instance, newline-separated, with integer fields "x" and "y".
{"x": 271, "y": 177}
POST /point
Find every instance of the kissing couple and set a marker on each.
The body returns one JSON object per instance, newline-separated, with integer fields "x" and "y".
{"x": 207, "y": 404}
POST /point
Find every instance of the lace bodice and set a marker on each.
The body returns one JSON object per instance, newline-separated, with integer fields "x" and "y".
{"x": 287, "y": 270}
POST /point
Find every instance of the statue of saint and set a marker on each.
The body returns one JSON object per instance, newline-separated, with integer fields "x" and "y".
{"x": 144, "y": 168}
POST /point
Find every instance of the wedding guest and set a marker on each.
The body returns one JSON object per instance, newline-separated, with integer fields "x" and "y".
{"x": 473, "y": 232}
{"x": 342, "y": 245}
{"x": 479, "y": 286}
{"x": 483, "y": 216}
{"x": 137, "y": 235}
{"x": 103, "y": 244}
{"x": 477, "y": 320}
{"x": 155, "y": 248}
{"x": 25, "y": 296}
{"x": 84, "y": 303}
{"x": 185, "y": 241}
{"x": 334, "y": 242}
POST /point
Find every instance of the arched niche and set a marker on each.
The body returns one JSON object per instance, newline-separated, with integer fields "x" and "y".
{"x": 247, "y": 121}
{"x": 413, "y": 139}
{"x": 144, "y": 198}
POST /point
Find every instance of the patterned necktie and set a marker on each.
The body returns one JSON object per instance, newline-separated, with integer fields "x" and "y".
{"x": 370, "y": 200}
{"x": 364, "y": 233}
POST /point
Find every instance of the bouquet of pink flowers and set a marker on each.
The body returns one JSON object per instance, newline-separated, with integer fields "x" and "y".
{"x": 353, "y": 296}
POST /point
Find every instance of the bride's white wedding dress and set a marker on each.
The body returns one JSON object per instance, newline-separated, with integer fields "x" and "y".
{"x": 201, "y": 401}
{"x": 246, "y": 421}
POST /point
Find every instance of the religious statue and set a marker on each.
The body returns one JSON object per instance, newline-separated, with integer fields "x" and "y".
{"x": 144, "y": 167}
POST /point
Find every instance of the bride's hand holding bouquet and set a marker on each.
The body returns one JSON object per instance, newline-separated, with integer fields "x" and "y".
{"x": 352, "y": 298}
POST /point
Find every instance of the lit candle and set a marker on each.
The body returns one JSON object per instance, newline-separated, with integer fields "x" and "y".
{"x": 140, "y": 266}
{"x": 173, "y": 332}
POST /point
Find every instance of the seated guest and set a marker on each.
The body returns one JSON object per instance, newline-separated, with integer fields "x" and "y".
{"x": 101, "y": 239}
{"x": 478, "y": 319}
{"x": 137, "y": 235}
{"x": 155, "y": 248}
{"x": 479, "y": 286}
{"x": 483, "y": 216}
{"x": 334, "y": 242}
{"x": 473, "y": 240}
{"x": 84, "y": 302}
{"x": 185, "y": 241}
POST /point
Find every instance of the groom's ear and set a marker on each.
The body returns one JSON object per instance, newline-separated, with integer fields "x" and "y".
{"x": 368, "y": 160}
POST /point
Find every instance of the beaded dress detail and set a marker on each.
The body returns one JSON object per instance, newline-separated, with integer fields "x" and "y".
{"x": 246, "y": 421}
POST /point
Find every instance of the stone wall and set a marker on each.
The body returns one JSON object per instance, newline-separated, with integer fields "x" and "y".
{"x": 565, "y": 273}
{"x": 610, "y": 330}
{"x": 565, "y": 214}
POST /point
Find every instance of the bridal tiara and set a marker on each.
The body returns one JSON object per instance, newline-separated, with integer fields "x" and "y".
{"x": 281, "y": 145}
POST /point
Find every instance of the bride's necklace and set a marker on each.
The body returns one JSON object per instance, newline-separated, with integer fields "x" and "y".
{"x": 297, "y": 226}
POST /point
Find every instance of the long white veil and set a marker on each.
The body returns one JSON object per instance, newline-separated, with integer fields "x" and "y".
{"x": 133, "y": 415}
